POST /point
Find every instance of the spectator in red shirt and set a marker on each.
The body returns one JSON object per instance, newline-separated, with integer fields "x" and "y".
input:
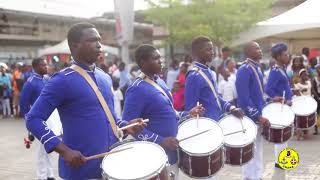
{"x": 178, "y": 98}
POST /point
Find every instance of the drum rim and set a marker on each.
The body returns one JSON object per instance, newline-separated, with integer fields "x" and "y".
{"x": 290, "y": 108}
{"x": 242, "y": 146}
{"x": 201, "y": 154}
{"x": 256, "y": 130}
{"x": 155, "y": 173}
{"x": 274, "y": 127}
{"x": 305, "y": 114}
{"x": 207, "y": 153}
{"x": 206, "y": 177}
{"x": 300, "y": 97}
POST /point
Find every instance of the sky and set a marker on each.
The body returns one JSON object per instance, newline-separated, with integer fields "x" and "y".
{"x": 76, "y": 8}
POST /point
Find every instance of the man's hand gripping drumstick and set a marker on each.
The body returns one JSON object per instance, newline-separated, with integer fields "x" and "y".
{"x": 133, "y": 128}
{"x": 239, "y": 114}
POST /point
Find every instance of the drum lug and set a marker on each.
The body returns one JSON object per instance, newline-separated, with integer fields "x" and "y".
{"x": 190, "y": 168}
{"x": 209, "y": 165}
{"x": 241, "y": 154}
{"x": 178, "y": 155}
{"x": 223, "y": 155}
{"x": 172, "y": 176}
{"x": 269, "y": 138}
{"x": 282, "y": 132}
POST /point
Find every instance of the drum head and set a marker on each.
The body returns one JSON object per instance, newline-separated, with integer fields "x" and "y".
{"x": 231, "y": 124}
{"x": 142, "y": 161}
{"x": 203, "y": 143}
{"x": 279, "y": 116}
{"x": 304, "y": 105}
{"x": 54, "y": 123}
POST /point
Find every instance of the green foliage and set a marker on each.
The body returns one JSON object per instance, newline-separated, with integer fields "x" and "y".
{"x": 221, "y": 20}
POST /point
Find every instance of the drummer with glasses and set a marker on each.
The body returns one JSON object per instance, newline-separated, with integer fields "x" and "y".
{"x": 278, "y": 84}
{"x": 148, "y": 97}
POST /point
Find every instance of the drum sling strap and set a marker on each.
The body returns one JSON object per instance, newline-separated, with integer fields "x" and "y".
{"x": 257, "y": 77}
{"x": 101, "y": 99}
{"x": 282, "y": 72}
{"x": 205, "y": 77}
{"x": 155, "y": 85}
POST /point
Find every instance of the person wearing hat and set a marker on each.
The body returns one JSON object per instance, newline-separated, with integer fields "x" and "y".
{"x": 279, "y": 83}
{"x": 304, "y": 86}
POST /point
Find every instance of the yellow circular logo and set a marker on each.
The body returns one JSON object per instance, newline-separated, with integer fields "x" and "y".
{"x": 288, "y": 159}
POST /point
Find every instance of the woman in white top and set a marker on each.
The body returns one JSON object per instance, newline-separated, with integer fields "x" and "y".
{"x": 303, "y": 88}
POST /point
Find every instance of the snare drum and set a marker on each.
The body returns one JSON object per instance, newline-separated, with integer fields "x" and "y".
{"x": 305, "y": 109}
{"x": 281, "y": 118}
{"x": 202, "y": 155}
{"x": 54, "y": 123}
{"x": 239, "y": 147}
{"x": 144, "y": 161}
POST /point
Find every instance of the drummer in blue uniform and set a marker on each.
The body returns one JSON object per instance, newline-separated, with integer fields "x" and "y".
{"x": 198, "y": 89}
{"x": 30, "y": 92}
{"x": 249, "y": 85}
{"x": 148, "y": 97}
{"x": 278, "y": 82}
{"x": 86, "y": 129}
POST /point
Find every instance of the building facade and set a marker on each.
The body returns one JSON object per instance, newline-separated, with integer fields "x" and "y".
{"x": 22, "y": 34}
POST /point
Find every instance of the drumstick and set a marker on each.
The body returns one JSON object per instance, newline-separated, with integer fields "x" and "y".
{"x": 243, "y": 130}
{"x": 197, "y": 134}
{"x": 234, "y": 132}
{"x": 198, "y": 104}
{"x": 283, "y": 96}
{"x": 97, "y": 156}
{"x": 133, "y": 124}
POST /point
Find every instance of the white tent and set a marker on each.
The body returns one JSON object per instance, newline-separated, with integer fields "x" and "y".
{"x": 299, "y": 24}
{"x": 63, "y": 48}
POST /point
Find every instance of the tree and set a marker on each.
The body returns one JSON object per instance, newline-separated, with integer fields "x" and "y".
{"x": 221, "y": 20}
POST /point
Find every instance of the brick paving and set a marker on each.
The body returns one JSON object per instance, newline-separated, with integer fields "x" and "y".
{"x": 17, "y": 162}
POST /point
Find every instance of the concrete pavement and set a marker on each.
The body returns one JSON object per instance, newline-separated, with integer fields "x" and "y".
{"x": 17, "y": 162}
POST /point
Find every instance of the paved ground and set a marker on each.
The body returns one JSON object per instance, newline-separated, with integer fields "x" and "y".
{"x": 17, "y": 162}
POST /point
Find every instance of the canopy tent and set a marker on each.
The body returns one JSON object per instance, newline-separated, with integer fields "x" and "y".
{"x": 298, "y": 25}
{"x": 63, "y": 48}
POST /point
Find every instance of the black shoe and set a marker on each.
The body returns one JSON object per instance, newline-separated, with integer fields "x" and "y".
{"x": 51, "y": 178}
{"x": 277, "y": 165}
